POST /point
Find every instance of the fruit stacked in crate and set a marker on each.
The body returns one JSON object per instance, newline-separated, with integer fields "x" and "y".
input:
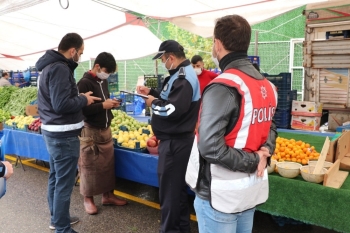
{"x": 306, "y": 115}
{"x": 154, "y": 81}
{"x": 283, "y": 83}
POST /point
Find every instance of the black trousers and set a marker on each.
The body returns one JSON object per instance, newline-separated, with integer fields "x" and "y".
{"x": 172, "y": 164}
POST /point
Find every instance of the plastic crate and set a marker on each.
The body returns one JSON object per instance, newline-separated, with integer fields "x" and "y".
{"x": 130, "y": 107}
{"x": 282, "y": 118}
{"x": 140, "y": 150}
{"x": 285, "y": 98}
{"x": 155, "y": 82}
{"x": 282, "y": 81}
{"x": 127, "y": 97}
{"x": 254, "y": 59}
{"x": 338, "y": 34}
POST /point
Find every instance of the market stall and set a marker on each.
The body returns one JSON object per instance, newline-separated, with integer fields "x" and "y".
{"x": 292, "y": 198}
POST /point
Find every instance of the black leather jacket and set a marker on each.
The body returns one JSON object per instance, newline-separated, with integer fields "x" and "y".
{"x": 225, "y": 102}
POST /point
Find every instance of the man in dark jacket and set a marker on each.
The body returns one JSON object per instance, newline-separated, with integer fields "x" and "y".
{"x": 60, "y": 109}
{"x": 236, "y": 135}
{"x": 97, "y": 170}
{"x": 175, "y": 112}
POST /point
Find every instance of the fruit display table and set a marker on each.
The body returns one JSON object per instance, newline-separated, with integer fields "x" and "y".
{"x": 138, "y": 167}
{"x": 292, "y": 198}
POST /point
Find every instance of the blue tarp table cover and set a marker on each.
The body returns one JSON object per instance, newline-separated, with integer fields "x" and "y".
{"x": 135, "y": 166}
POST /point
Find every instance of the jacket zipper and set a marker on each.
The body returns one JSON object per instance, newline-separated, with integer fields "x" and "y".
{"x": 104, "y": 97}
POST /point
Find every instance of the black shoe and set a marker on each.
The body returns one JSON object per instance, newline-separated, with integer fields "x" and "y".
{"x": 73, "y": 220}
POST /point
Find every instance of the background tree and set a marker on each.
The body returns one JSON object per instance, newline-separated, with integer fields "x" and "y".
{"x": 193, "y": 44}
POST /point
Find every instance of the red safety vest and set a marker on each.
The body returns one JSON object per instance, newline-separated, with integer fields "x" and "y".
{"x": 258, "y": 105}
{"x": 234, "y": 191}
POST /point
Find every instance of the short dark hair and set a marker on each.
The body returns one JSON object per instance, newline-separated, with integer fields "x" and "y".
{"x": 196, "y": 58}
{"x": 179, "y": 55}
{"x": 4, "y": 74}
{"x": 70, "y": 40}
{"x": 234, "y": 32}
{"x": 106, "y": 60}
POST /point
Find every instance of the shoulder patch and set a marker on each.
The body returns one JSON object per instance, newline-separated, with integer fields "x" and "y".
{"x": 182, "y": 72}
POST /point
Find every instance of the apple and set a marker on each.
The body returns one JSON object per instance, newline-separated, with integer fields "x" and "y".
{"x": 154, "y": 138}
{"x": 151, "y": 142}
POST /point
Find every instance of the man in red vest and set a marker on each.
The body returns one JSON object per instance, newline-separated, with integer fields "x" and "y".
{"x": 236, "y": 135}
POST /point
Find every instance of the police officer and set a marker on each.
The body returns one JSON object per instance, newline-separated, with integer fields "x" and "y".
{"x": 175, "y": 111}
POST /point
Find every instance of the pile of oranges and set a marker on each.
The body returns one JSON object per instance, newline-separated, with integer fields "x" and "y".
{"x": 294, "y": 151}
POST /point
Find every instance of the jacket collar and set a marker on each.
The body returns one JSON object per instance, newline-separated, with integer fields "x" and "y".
{"x": 182, "y": 64}
{"x": 240, "y": 62}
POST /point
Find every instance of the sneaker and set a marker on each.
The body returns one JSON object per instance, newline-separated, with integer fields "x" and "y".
{"x": 73, "y": 220}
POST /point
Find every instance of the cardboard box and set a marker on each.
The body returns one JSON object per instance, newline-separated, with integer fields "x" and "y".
{"x": 1, "y": 126}
{"x": 32, "y": 110}
{"x": 336, "y": 119}
{"x": 310, "y": 123}
{"x": 306, "y": 108}
{"x": 343, "y": 150}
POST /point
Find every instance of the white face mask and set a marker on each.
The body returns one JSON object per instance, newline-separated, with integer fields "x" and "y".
{"x": 215, "y": 60}
{"x": 102, "y": 75}
{"x": 164, "y": 65}
{"x": 198, "y": 71}
{"x": 79, "y": 58}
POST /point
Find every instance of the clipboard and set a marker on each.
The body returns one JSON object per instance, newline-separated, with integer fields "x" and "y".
{"x": 140, "y": 95}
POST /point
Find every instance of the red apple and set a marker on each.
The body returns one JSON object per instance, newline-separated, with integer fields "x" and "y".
{"x": 151, "y": 142}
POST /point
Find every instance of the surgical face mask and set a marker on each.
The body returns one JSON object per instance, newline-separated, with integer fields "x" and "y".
{"x": 102, "y": 75}
{"x": 164, "y": 64}
{"x": 198, "y": 71}
{"x": 215, "y": 60}
{"x": 76, "y": 60}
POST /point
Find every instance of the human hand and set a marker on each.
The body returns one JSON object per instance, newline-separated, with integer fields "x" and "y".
{"x": 143, "y": 90}
{"x": 91, "y": 99}
{"x": 149, "y": 100}
{"x": 263, "y": 154}
{"x": 17, "y": 84}
{"x": 110, "y": 103}
{"x": 9, "y": 169}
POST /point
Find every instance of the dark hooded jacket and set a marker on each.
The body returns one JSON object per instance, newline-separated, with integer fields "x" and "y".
{"x": 58, "y": 99}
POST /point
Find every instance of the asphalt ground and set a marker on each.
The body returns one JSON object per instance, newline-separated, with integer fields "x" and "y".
{"x": 24, "y": 208}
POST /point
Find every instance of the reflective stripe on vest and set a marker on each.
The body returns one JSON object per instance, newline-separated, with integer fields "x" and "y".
{"x": 62, "y": 128}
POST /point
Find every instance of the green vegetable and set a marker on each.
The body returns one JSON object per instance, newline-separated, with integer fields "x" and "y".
{"x": 5, "y": 94}
{"x": 19, "y": 99}
{"x": 4, "y": 115}
{"x": 151, "y": 82}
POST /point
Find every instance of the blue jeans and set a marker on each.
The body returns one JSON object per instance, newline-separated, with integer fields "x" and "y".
{"x": 64, "y": 155}
{"x": 213, "y": 221}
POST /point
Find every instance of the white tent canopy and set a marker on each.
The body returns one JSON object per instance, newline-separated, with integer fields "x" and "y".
{"x": 27, "y": 33}
{"x": 30, "y": 27}
{"x": 198, "y": 16}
